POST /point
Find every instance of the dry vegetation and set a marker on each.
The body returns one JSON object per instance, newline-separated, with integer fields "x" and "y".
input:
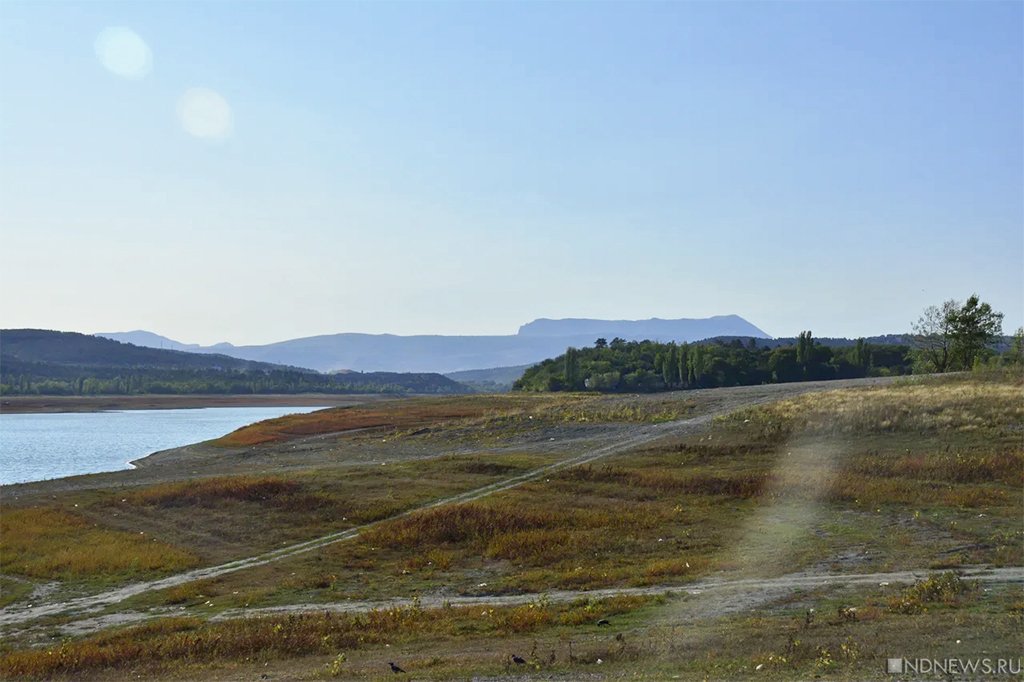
{"x": 50, "y": 543}
{"x": 676, "y": 511}
{"x": 900, "y": 477}
{"x": 481, "y": 413}
{"x": 224, "y": 517}
{"x": 394, "y": 415}
{"x": 926, "y": 408}
{"x": 188, "y": 641}
{"x": 214, "y": 491}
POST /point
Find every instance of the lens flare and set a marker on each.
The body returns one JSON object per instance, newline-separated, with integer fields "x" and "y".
{"x": 204, "y": 113}
{"x": 123, "y": 52}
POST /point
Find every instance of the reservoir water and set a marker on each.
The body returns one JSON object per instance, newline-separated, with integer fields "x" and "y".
{"x": 34, "y": 447}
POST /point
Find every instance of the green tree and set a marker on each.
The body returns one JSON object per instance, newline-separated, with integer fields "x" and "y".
{"x": 697, "y": 364}
{"x": 952, "y": 335}
{"x": 974, "y": 327}
{"x": 683, "y": 364}
{"x": 860, "y": 355}
{"x": 572, "y": 368}
{"x": 1015, "y": 355}
{"x": 668, "y": 368}
{"x": 804, "y": 348}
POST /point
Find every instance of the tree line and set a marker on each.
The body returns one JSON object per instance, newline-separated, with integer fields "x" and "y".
{"x": 21, "y": 378}
{"x": 646, "y": 366}
{"x": 954, "y": 336}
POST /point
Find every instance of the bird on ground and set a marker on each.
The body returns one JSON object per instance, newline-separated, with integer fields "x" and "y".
{"x": 394, "y": 668}
{"x": 518, "y": 660}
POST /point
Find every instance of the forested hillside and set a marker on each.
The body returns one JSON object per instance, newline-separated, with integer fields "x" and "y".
{"x": 645, "y": 366}
{"x": 34, "y": 362}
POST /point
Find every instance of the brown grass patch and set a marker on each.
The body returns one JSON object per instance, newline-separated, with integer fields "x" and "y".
{"x": 405, "y": 414}
{"x": 51, "y": 543}
{"x": 176, "y": 641}
{"x": 1001, "y": 467}
{"x": 453, "y": 524}
{"x": 925, "y": 408}
{"x": 481, "y": 414}
{"x": 209, "y": 492}
{"x": 742, "y": 485}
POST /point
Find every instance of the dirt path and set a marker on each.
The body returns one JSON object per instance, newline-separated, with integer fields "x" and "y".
{"x": 752, "y": 589}
{"x": 709, "y": 598}
{"x": 720, "y": 402}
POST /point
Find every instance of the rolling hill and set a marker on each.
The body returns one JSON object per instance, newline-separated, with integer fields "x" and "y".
{"x": 35, "y": 361}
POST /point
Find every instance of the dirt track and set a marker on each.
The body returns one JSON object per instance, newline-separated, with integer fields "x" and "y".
{"x": 750, "y": 588}
{"x": 705, "y": 598}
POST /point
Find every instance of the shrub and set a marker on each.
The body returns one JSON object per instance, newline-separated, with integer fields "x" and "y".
{"x": 211, "y": 491}
{"x": 945, "y": 588}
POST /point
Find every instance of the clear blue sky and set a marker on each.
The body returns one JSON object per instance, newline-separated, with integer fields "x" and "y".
{"x": 465, "y": 168}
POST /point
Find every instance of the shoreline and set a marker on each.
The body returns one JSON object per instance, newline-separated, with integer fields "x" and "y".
{"x": 58, "y": 404}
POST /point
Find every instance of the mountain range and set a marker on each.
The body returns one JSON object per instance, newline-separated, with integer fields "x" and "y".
{"x": 535, "y": 341}
{"x": 38, "y": 361}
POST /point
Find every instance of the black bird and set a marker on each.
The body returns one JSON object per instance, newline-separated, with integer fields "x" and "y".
{"x": 518, "y": 660}
{"x": 394, "y": 668}
{"x": 603, "y": 622}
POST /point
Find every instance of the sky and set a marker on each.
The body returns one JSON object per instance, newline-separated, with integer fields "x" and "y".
{"x": 257, "y": 171}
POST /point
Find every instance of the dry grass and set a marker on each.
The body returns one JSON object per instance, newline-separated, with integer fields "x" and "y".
{"x": 873, "y": 490}
{"x": 172, "y": 642}
{"x": 480, "y": 414}
{"x": 1005, "y": 467}
{"x": 925, "y": 473}
{"x": 924, "y": 408}
{"x": 206, "y": 492}
{"x": 403, "y": 415}
{"x": 471, "y": 522}
{"x": 675, "y": 511}
{"x": 51, "y": 543}
{"x": 503, "y": 529}
{"x": 741, "y": 485}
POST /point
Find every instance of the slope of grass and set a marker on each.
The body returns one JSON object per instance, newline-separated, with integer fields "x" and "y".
{"x": 918, "y": 494}
{"x": 51, "y": 543}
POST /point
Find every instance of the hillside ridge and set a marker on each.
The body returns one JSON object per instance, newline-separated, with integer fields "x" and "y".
{"x": 535, "y": 341}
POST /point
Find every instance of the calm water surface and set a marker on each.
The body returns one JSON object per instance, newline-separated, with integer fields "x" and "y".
{"x": 38, "y": 446}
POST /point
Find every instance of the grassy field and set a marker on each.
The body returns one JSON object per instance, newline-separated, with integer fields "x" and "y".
{"x": 906, "y": 476}
{"x": 50, "y": 543}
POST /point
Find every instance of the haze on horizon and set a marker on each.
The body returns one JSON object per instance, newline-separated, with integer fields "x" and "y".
{"x": 252, "y": 173}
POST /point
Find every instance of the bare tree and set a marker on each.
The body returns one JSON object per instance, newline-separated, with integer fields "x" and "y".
{"x": 933, "y": 333}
